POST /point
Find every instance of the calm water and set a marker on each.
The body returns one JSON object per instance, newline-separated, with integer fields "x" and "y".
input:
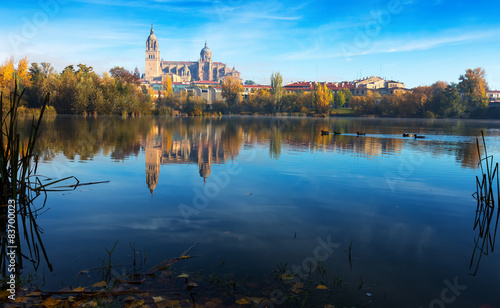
{"x": 260, "y": 192}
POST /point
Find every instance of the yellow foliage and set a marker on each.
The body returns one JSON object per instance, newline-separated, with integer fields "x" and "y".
{"x": 51, "y": 302}
{"x": 321, "y": 287}
{"x": 242, "y": 301}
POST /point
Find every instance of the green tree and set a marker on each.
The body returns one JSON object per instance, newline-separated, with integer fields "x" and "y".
{"x": 276, "y": 89}
{"x": 249, "y": 82}
{"x": 447, "y": 102}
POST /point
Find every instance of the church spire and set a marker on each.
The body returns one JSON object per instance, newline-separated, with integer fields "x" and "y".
{"x": 152, "y": 31}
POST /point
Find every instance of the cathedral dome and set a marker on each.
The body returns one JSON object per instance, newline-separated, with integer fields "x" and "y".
{"x": 206, "y": 54}
{"x": 152, "y": 41}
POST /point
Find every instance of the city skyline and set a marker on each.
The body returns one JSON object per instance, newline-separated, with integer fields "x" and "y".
{"x": 417, "y": 42}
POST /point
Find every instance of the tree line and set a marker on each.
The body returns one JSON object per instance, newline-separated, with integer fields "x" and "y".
{"x": 79, "y": 90}
{"x": 76, "y": 90}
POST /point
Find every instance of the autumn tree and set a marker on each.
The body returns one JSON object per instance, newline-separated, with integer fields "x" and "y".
{"x": 322, "y": 97}
{"x": 167, "y": 84}
{"x": 473, "y": 85}
{"x": 231, "y": 89}
{"x": 276, "y": 88}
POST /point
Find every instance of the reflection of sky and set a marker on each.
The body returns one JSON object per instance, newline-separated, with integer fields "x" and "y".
{"x": 409, "y": 215}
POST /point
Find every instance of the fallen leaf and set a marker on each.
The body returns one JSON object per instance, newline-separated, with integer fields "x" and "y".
{"x": 213, "y": 303}
{"x": 185, "y": 257}
{"x": 329, "y": 306}
{"x": 100, "y": 284}
{"x": 297, "y": 287}
{"x": 138, "y": 303}
{"x": 22, "y": 300}
{"x": 321, "y": 287}
{"x": 255, "y": 300}
{"x": 158, "y": 299}
{"x": 242, "y": 301}
{"x": 34, "y": 293}
{"x": 191, "y": 285}
{"x": 4, "y": 294}
{"x": 79, "y": 289}
{"x": 287, "y": 276}
{"x": 183, "y": 275}
{"x": 51, "y": 302}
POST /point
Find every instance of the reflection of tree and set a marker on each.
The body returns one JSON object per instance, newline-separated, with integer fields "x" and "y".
{"x": 487, "y": 195}
{"x": 84, "y": 138}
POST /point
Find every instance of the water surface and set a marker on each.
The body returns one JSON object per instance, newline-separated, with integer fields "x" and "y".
{"x": 258, "y": 192}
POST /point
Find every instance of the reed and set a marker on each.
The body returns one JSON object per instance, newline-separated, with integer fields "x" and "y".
{"x": 19, "y": 183}
{"x": 487, "y": 215}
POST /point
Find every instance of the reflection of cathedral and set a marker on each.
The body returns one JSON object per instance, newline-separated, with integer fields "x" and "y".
{"x": 202, "y": 70}
{"x": 197, "y": 148}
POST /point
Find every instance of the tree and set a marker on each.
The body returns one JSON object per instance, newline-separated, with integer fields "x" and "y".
{"x": 447, "y": 103}
{"x": 249, "y": 82}
{"x": 231, "y": 89}
{"x": 473, "y": 85}
{"x": 322, "y": 97}
{"x": 276, "y": 88}
{"x": 167, "y": 84}
{"x": 124, "y": 75}
{"x": 340, "y": 99}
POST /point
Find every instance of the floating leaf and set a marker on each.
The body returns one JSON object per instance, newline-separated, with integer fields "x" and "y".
{"x": 297, "y": 287}
{"x": 22, "y": 300}
{"x": 158, "y": 299}
{"x": 213, "y": 303}
{"x": 255, "y": 300}
{"x": 100, "y": 284}
{"x": 183, "y": 275}
{"x": 191, "y": 285}
{"x": 185, "y": 257}
{"x": 329, "y": 306}
{"x": 321, "y": 287}
{"x": 138, "y": 303}
{"x": 35, "y": 293}
{"x": 287, "y": 277}
{"x": 4, "y": 294}
{"x": 79, "y": 289}
{"x": 51, "y": 302}
{"x": 242, "y": 301}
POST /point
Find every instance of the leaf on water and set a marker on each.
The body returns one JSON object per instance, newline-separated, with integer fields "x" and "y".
{"x": 287, "y": 276}
{"x": 329, "y": 306}
{"x": 213, "y": 303}
{"x": 185, "y": 257}
{"x": 71, "y": 298}
{"x": 183, "y": 275}
{"x": 82, "y": 272}
{"x": 255, "y": 300}
{"x": 4, "y": 294}
{"x": 191, "y": 285}
{"x": 79, "y": 289}
{"x": 138, "y": 303}
{"x": 100, "y": 284}
{"x": 158, "y": 299}
{"x": 22, "y": 300}
{"x": 34, "y": 293}
{"x": 297, "y": 287}
{"x": 242, "y": 301}
{"x": 51, "y": 302}
{"x": 321, "y": 287}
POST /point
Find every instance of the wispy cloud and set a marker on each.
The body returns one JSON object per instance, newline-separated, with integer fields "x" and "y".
{"x": 392, "y": 45}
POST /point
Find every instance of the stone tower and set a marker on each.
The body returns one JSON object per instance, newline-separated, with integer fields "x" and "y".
{"x": 205, "y": 64}
{"x": 152, "y": 57}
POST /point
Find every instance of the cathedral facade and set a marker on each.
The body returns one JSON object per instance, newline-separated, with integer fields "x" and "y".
{"x": 202, "y": 70}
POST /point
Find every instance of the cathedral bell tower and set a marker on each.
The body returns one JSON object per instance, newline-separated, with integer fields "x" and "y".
{"x": 152, "y": 57}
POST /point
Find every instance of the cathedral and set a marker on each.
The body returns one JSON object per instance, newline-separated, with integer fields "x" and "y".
{"x": 181, "y": 71}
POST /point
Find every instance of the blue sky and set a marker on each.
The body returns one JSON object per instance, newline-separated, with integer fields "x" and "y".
{"x": 417, "y": 42}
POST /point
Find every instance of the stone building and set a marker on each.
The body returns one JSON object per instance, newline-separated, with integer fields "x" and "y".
{"x": 183, "y": 71}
